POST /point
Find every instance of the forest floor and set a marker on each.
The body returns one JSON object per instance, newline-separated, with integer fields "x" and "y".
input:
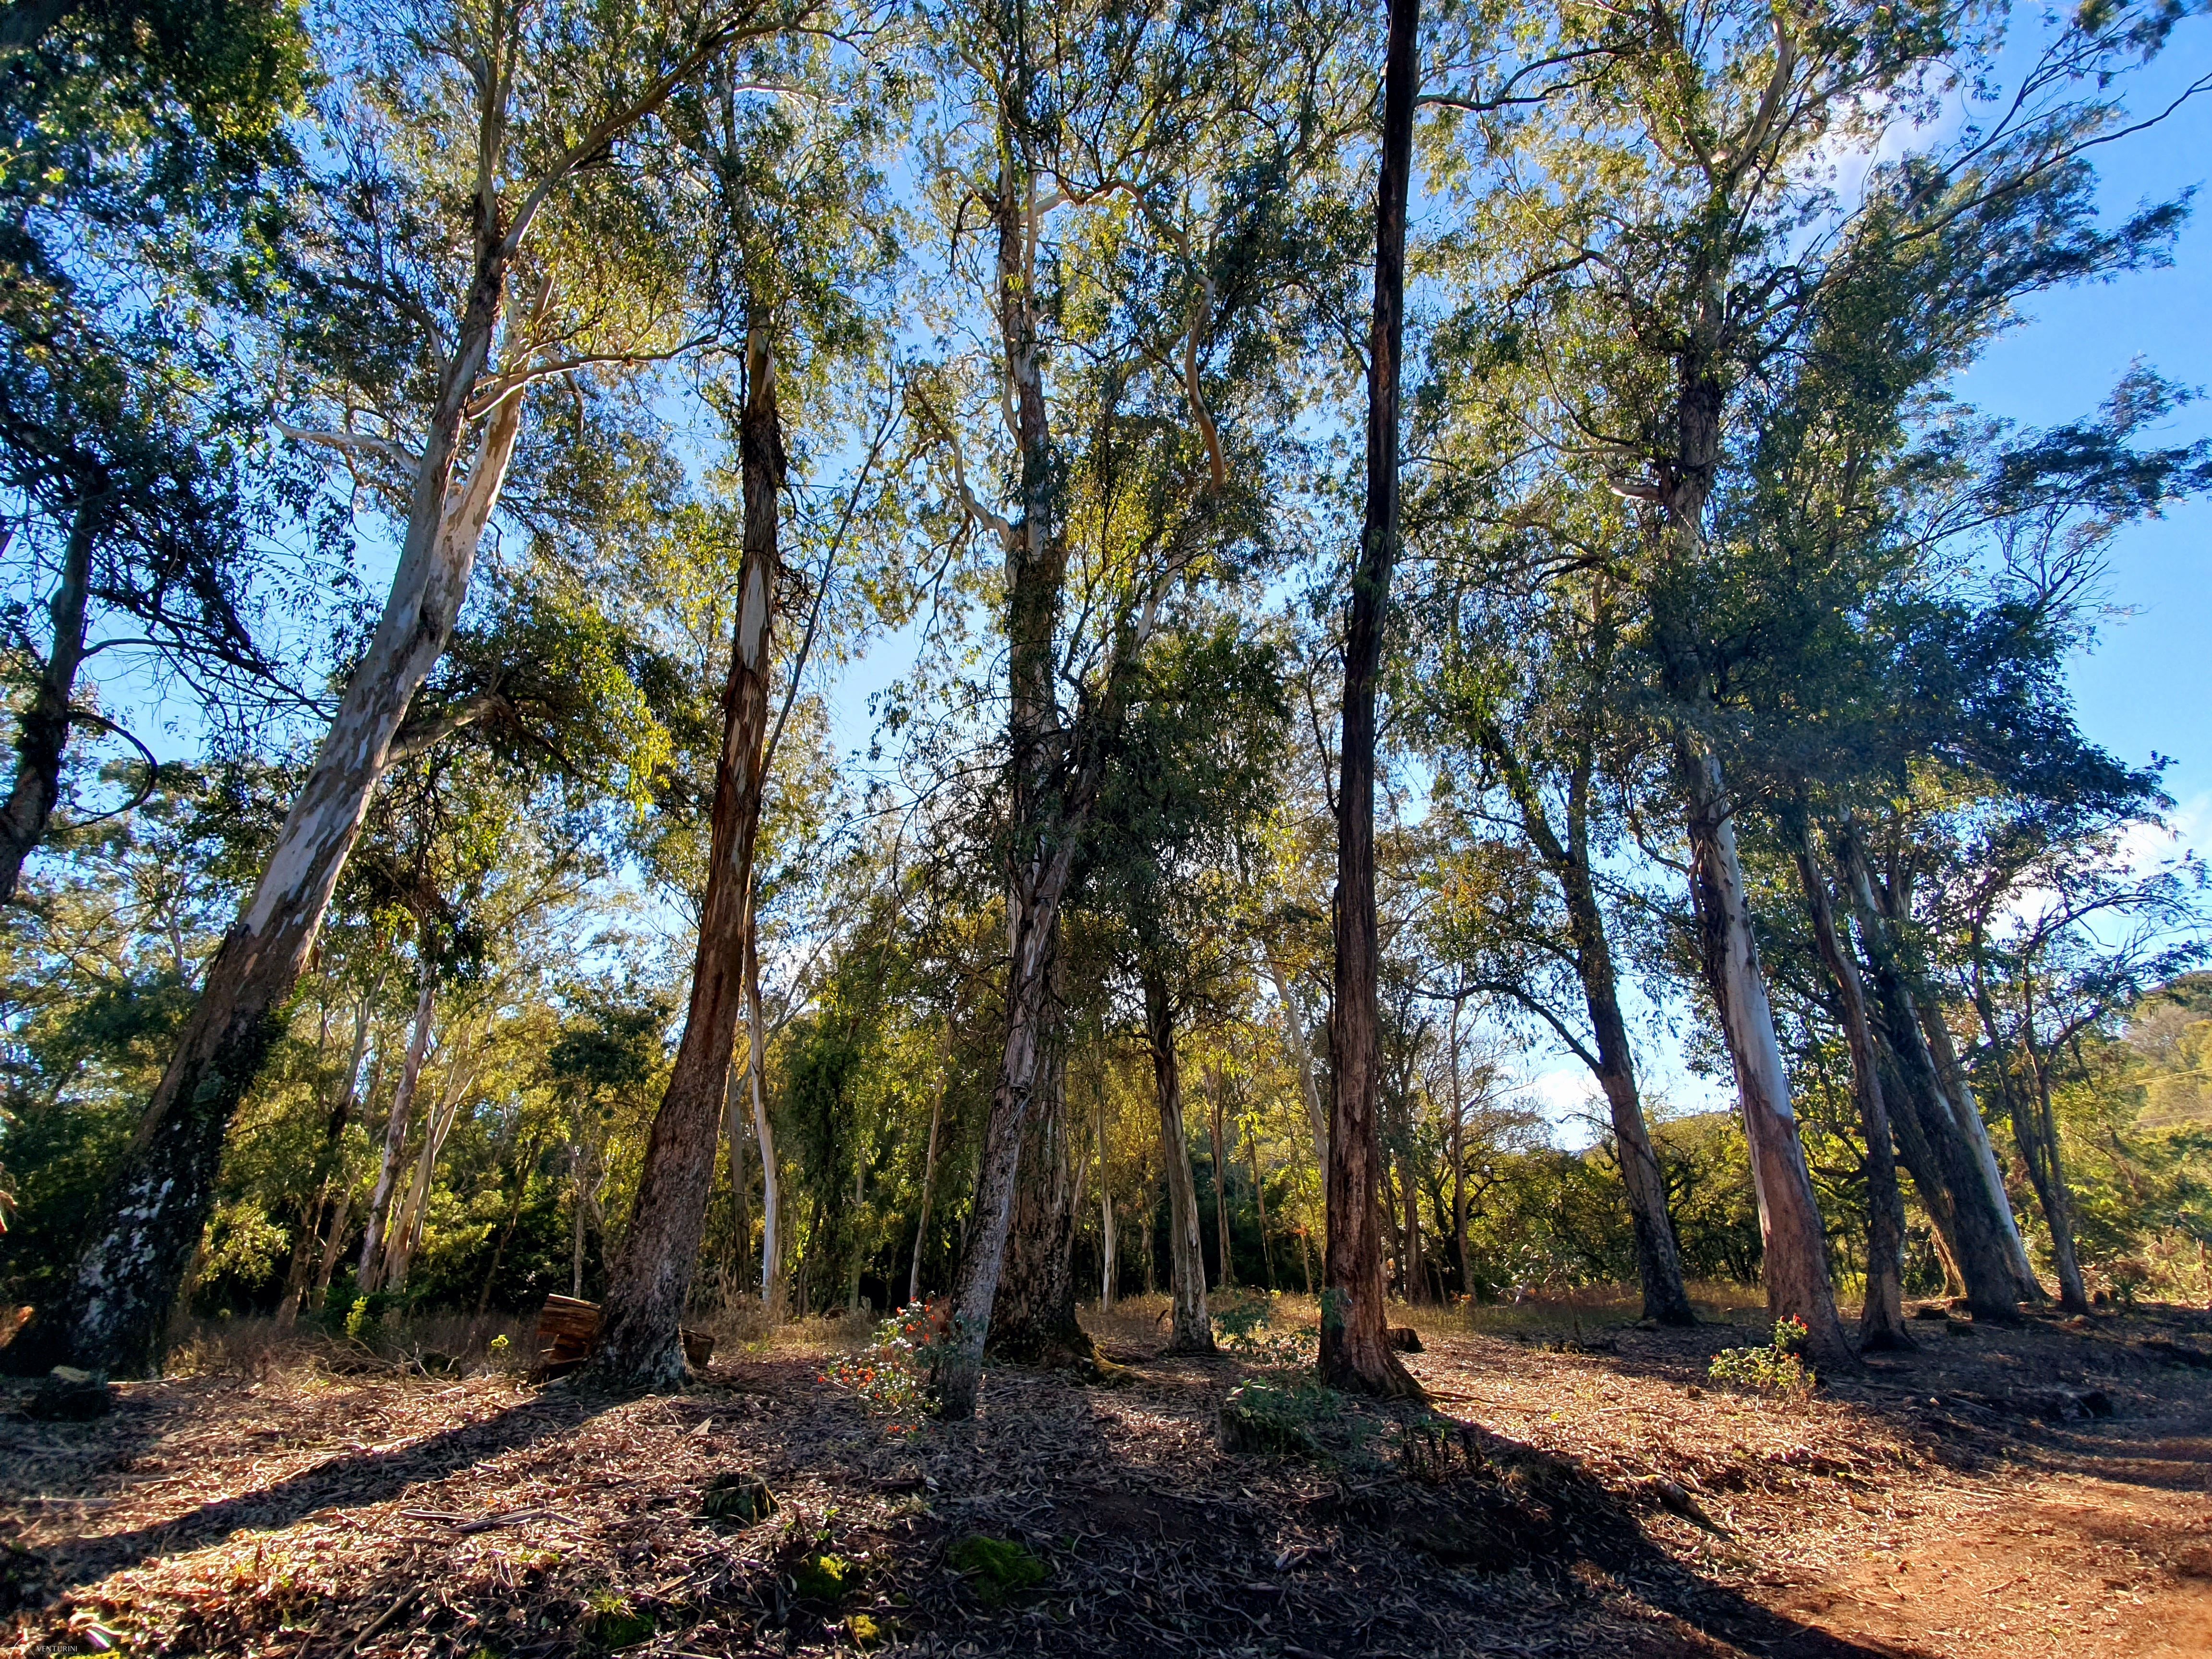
{"x": 1575, "y": 1486}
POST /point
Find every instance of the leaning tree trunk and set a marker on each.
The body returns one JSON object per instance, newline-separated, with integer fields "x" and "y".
{"x": 649, "y": 1280}
{"x": 1191, "y": 1327}
{"x": 1658, "y": 1259}
{"x": 370, "y": 1275}
{"x": 42, "y": 731}
{"x": 1796, "y": 1250}
{"x": 2048, "y": 1174}
{"x": 1881, "y": 1324}
{"x": 1355, "y": 1345}
{"x": 1957, "y": 1093}
{"x": 1041, "y": 839}
{"x": 1942, "y": 1161}
{"x": 115, "y": 1315}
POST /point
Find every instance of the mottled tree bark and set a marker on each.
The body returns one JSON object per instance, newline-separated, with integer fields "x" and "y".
{"x": 115, "y": 1316}
{"x": 1355, "y": 1347}
{"x": 649, "y": 1281}
{"x": 1034, "y": 1320}
{"x": 1796, "y": 1259}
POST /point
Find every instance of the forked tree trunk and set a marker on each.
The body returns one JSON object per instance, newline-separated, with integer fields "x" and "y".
{"x": 1355, "y": 1344}
{"x": 370, "y": 1274}
{"x": 117, "y": 1310}
{"x": 1881, "y": 1324}
{"x": 1190, "y": 1329}
{"x": 1797, "y": 1260}
{"x": 649, "y": 1281}
{"x": 42, "y": 731}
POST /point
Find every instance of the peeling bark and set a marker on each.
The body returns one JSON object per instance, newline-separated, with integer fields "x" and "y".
{"x": 649, "y": 1281}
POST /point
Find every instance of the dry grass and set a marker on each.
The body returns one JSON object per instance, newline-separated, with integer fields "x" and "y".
{"x": 1601, "y": 1499}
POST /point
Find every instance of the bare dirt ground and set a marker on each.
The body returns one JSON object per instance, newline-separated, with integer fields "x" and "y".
{"x": 1575, "y": 1486}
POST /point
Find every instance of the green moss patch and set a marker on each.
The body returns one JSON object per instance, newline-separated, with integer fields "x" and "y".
{"x": 1001, "y": 1568}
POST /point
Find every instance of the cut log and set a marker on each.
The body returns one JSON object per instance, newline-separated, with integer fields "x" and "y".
{"x": 567, "y": 1327}
{"x": 1405, "y": 1339}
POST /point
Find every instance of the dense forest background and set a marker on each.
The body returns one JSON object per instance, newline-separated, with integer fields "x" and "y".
{"x": 925, "y": 301}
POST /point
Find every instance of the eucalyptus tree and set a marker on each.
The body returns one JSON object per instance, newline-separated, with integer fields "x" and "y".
{"x": 800, "y": 233}
{"x": 144, "y": 159}
{"x": 1542, "y": 722}
{"x": 1686, "y": 235}
{"x": 1201, "y": 747}
{"x": 1135, "y": 174}
{"x": 475, "y": 150}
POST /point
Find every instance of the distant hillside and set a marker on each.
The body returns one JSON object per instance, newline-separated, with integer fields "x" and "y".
{"x": 2172, "y": 1037}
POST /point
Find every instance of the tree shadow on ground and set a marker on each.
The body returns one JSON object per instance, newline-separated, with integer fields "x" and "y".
{"x": 1151, "y": 1541}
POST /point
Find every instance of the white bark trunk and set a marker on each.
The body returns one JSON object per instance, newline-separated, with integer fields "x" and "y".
{"x": 370, "y": 1277}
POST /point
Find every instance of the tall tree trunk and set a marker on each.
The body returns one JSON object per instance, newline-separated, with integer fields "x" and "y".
{"x": 370, "y": 1274}
{"x": 1259, "y": 1203}
{"x": 1355, "y": 1345}
{"x": 1042, "y": 845}
{"x": 1881, "y": 1324}
{"x": 738, "y": 1137}
{"x": 649, "y": 1281}
{"x": 1034, "y": 1320}
{"x": 1302, "y": 1061}
{"x": 1611, "y": 1057}
{"x": 1106, "y": 1285}
{"x": 929, "y": 1163}
{"x": 116, "y": 1313}
{"x": 1459, "y": 1163}
{"x": 325, "y": 1171}
{"x": 1415, "y": 1269}
{"x": 1797, "y": 1260}
{"x": 1223, "y": 1257}
{"x": 42, "y": 731}
{"x": 406, "y": 1233}
{"x": 1940, "y": 1158}
{"x": 772, "y": 1244}
{"x": 1191, "y": 1326}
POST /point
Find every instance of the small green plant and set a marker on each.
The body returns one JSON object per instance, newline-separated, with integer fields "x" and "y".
{"x": 356, "y": 1319}
{"x": 614, "y": 1622}
{"x": 1779, "y": 1368}
{"x": 1000, "y": 1567}
{"x": 820, "y": 1577}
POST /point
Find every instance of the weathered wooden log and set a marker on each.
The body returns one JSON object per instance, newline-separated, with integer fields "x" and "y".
{"x": 1405, "y": 1339}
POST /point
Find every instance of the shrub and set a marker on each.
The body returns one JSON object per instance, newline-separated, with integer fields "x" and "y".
{"x": 1777, "y": 1368}
{"x": 895, "y": 1375}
